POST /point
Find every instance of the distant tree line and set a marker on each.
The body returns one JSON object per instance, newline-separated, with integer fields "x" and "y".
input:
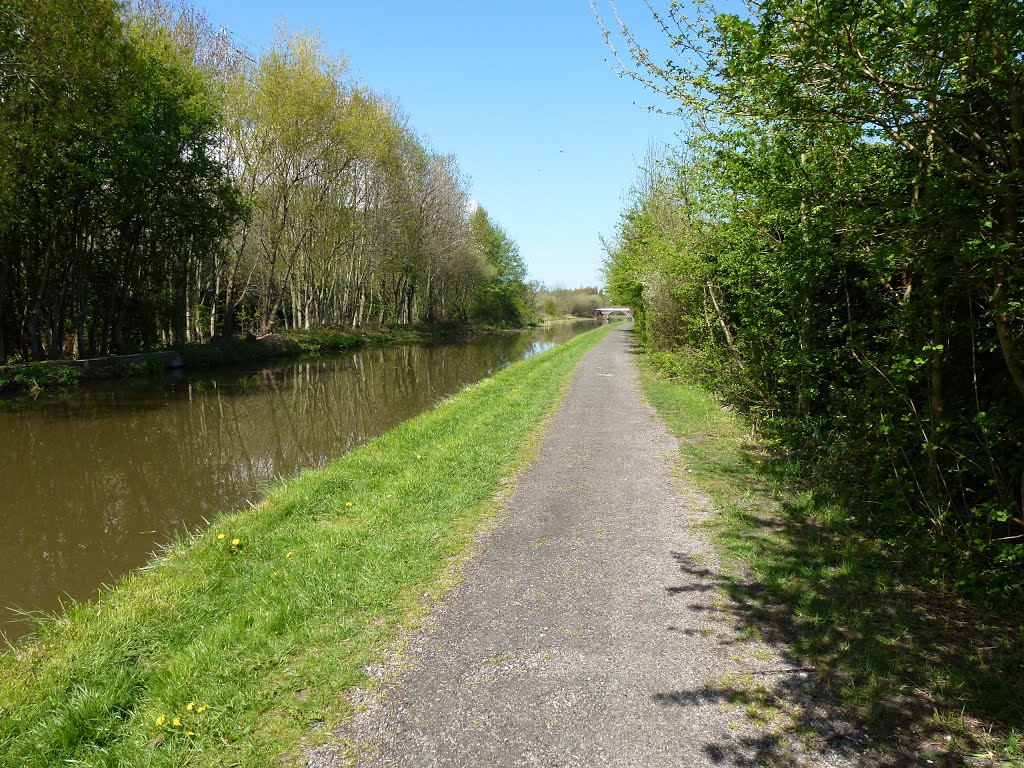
{"x": 838, "y": 250}
{"x": 158, "y": 186}
{"x": 561, "y": 302}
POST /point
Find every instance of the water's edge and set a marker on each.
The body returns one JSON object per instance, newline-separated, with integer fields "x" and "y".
{"x": 95, "y": 481}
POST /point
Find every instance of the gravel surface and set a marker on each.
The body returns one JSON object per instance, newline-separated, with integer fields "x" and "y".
{"x": 589, "y": 630}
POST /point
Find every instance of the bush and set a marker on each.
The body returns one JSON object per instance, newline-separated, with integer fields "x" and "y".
{"x": 32, "y": 377}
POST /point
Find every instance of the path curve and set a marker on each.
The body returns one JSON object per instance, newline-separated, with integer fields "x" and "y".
{"x": 588, "y": 632}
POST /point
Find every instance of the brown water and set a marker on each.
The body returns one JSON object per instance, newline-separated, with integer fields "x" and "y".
{"x": 92, "y": 483}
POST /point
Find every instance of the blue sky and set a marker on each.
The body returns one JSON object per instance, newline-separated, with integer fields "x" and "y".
{"x": 520, "y": 92}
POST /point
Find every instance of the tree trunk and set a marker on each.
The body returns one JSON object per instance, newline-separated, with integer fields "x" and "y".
{"x": 37, "y": 306}
{"x": 5, "y": 259}
{"x": 724, "y": 325}
{"x": 1000, "y": 296}
{"x": 1004, "y": 331}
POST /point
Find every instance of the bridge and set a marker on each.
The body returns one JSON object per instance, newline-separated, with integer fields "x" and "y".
{"x": 609, "y": 313}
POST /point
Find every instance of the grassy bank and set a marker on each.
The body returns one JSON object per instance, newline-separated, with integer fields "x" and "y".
{"x": 308, "y": 342}
{"x": 231, "y": 645}
{"x": 931, "y": 674}
{"x": 36, "y": 377}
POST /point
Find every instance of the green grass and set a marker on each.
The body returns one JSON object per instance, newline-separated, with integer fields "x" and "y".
{"x": 265, "y": 634}
{"x": 34, "y": 377}
{"x": 296, "y": 343}
{"x": 285, "y": 344}
{"x": 928, "y": 671}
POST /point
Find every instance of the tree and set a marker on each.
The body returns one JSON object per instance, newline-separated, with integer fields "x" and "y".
{"x": 110, "y": 167}
{"x": 940, "y": 80}
{"x": 852, "y": 209}
{"x": 502, "y": 299}
{"x": 158, "y": 186}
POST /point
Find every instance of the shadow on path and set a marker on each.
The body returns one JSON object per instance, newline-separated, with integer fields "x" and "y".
{"x": 924, "y": 673}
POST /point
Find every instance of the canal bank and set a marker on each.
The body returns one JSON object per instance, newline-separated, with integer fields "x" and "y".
{"x": 50, "y": 375}
{"x": 239, "y": 638}
{"x": 97, "y": 478}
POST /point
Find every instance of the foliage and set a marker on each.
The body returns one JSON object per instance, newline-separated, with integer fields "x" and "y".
{"x": 231, "y": 644}
{"x": 838, "y": 252}
{"x": 297, "y": 342}
{"x": 558, "y": 302}
{"x": 107, "y": 138}
{"x": 33, "y": 377}
{"x": 159, "y": 187}
{"x": 353, "y": 219}
{"x": 501, "y": 300}
{"x": 227, "y": 351}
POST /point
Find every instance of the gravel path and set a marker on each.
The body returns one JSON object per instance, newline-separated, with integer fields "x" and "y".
{"x": 589, "y": 632}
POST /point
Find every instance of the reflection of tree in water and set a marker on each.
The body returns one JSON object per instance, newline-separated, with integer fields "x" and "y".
{"x": 92, "y": 483}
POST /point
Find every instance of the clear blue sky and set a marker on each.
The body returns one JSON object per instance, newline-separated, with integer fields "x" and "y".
{"x": 519, "y": 91}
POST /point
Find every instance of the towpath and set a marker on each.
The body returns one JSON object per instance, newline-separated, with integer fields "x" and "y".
{"x": 588, "y": 632}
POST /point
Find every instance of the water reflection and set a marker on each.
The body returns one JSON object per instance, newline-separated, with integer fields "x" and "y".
{"x": 93, "y": 482}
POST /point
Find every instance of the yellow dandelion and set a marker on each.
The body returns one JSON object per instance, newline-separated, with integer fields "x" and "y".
{"x": 191, "y": 733}
{"x": 160, "y": 720}
{"x": 348, "y": 503}
{"x": 201, "y": 708}
{"x": 176, "y": 722}
{"x": 191, "y": 706}
{"x": 235, "y": 542}
{"x": 273, "y": 574}
{"x": 288, "y": 554}
{"x": 418, "y": 456}
{"x": 220, "y": 537}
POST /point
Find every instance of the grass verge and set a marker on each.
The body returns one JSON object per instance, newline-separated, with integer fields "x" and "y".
{"x": 230, "y": 645}
{"x": 20, "y": 378}
{"x": 314, "y": 341}
{"x": 933, "y": 675}
{"x": 35, "y": 377}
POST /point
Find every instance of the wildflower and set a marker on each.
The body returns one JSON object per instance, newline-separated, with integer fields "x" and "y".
{"x": 191, "y": 733}
{"x": 201, "y": 708}
{"x": 160, "y": 720}
{"x": 348, "y": 503}
{"x": 418, "y": 456}
{"x": 176, "y": 722}
{"x": 220, "y": 537}
{"x": 191, "y": 706}
{"x": 273, "y": 575}
{"x": 235, "y": 542}
{"x": 289, "y": 554}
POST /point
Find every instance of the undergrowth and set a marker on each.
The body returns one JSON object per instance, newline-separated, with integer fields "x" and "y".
{"x": 33, "y": 377}
{"x": 932, "y": 672}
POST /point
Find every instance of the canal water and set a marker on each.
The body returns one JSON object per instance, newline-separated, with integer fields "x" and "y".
{"x": 92, "y": 483}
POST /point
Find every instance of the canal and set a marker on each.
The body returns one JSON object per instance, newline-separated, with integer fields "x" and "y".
{"x": 93, "y": 482}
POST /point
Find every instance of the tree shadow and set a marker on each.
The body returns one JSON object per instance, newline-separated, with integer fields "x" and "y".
{"x": 823, "y": 736}
{"x": 632, "y": 341}
{"x": 875, "y": 649}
